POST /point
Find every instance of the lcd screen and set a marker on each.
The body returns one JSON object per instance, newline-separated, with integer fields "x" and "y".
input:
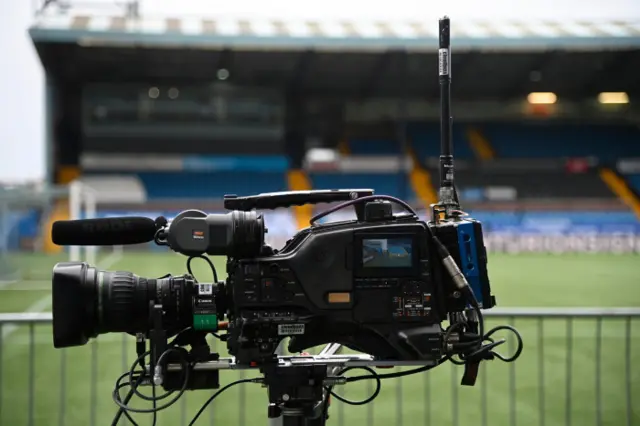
{"x": 387, "y": 252}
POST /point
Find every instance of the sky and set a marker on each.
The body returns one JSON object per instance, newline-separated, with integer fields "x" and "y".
{"x": 22, "y": 79}
{"x": 404, "y": 9}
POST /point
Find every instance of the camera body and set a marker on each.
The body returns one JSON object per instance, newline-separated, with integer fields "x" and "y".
{"x": 381, "y": 284}
{"x": 374, "y": 284}
{"x": 366, "y": 285}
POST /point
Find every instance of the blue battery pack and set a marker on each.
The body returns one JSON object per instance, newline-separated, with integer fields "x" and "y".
{"x": 469, "y": 259}
{"x": 464, "y": 240}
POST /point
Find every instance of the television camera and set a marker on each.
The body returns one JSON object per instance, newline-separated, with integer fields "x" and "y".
{"x": 381, "y": 285}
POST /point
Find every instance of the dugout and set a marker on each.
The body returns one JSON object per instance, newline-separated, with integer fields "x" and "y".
{"x": 134, "y": 84}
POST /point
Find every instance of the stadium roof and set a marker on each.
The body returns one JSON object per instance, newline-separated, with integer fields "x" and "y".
{"x": 356, "y": 58}
{"x": 285, "y": 34}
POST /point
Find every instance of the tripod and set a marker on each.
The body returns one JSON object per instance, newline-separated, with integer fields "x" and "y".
{"x": 297, "y": 394}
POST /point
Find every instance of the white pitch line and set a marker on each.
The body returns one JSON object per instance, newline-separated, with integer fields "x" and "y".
{"x": 43, "y": 303}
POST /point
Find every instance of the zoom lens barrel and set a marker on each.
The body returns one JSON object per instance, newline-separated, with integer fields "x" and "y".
{"x": 88, "y": 302}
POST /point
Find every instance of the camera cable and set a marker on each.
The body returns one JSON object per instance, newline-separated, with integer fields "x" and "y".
{"x": 485, "y": 350}
{"x": 330, "y": 392}
{"x": 215, "y": 395}
{"x": 341, "y": 206}
{"x": 134, "y": 382}
{"x": 127, "y": 398}
{"x": 376, "y": 392}
{"x": 206, "y": 259}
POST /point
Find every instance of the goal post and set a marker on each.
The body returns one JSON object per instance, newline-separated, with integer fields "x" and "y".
{"x": 83, "y": 204}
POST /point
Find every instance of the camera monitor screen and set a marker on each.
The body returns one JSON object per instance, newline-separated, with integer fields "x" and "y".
{"x": 387, "y": 253}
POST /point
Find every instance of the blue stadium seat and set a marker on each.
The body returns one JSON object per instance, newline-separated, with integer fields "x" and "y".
{"x": 210, "y": 184}
{"x": 373, "y": 147}
{"x": 392, "y": 184}
{"x": 548, "y": 141}
{"x": 634, "y": 180}
{"x": 425, "y": 139}
{"x": 20, "y": 225}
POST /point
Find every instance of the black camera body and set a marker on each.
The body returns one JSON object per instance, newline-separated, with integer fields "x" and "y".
{"x": 374, "y": 284}
{"x": 367, "y": 285}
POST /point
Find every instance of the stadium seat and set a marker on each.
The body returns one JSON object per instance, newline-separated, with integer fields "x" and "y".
{"x": 552, "y": 141}
{"x": 425, "y": 139}
{"x": 634, "y": 181}
{"x": 19, "y": 225}
{"x": 535, "y": 185}
{"x": 373, "y": 147}
{"x": 382, "y": 183}
{"x": 211, "y": 185}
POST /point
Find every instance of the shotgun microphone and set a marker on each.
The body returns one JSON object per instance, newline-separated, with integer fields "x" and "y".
{"x": 103, "y": 232}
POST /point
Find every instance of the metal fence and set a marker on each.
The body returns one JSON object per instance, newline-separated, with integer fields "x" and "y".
{"x": 576, "y": 369}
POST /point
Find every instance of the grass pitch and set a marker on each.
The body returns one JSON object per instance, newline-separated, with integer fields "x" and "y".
{"x": 73, "y": 386}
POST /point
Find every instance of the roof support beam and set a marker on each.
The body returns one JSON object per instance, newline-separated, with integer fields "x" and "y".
{"x": 225, "y": 61}
{"x": 371, "y": 83}
{"x": 298, "y": 77}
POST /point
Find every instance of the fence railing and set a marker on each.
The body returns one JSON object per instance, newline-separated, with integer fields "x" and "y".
{"x": 576, "y": 369}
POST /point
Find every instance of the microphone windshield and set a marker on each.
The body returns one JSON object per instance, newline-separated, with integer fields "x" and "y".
{"x": 103, "y": 232}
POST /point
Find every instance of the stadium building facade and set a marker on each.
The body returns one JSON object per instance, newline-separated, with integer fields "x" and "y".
{"x": 158, "y": 115}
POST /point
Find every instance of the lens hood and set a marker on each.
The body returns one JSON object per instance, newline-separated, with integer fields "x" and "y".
{"x": 74, "y": 304}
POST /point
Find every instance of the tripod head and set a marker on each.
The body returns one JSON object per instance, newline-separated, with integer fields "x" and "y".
{"x": 299, "y": 386}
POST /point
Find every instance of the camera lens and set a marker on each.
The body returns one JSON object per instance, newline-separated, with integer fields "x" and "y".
{"x": 88, "y": 302}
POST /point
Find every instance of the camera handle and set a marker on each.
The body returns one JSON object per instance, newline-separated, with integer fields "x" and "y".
{"x": 274, "y": 200}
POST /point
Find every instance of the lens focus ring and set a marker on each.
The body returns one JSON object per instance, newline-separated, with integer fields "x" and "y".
{"x": 119, "y": 310}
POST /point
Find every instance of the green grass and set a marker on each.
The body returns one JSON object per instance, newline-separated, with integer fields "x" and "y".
{"x": 434, "y": 398}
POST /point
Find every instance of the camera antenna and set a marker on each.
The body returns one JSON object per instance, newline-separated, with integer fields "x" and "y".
{"x": 448, "y": 197}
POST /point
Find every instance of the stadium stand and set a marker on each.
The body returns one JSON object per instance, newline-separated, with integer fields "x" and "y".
{"x": 543, "y": 140}
{"x": 373, "y": 147}
{"x": 383, "y": 183}
{"x": 213, "y": 185}
{"x": 425, "y": 139}
{"x": 539, "y": 185}
{"x": 21, "y": 226}
{"x": 349, "y": 91}
{"x": 634, "y": 180}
